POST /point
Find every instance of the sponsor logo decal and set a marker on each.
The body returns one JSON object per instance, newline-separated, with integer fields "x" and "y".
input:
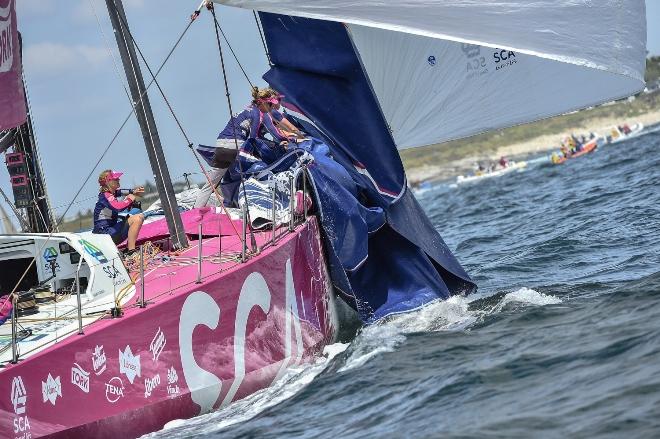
{"x": 51, "y": 389}
{"x": 50, "y": 254}
{"x": 18, "y": 395}
{"x": 93, "y": 251}
{"x": 476, "y": 64}
{"x": 503, "y": 58}
{"x": 157, "y": 344}
{"x": 98, "y": 360}
{"x": 431, "y": 60}
{"x": 200, "y": 308}
{"x": 129, "y": 364}
{"x": 150, "y": 384}
{"x": 172, "y": 379}
{"x": 18, "y": 398}
{"x": 114, "y": 389}
{"x": 80, "y": 378}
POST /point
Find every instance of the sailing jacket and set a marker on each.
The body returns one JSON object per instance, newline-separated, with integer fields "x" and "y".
{"x": 106, "y": 211}
{"x": 250, "y": 124}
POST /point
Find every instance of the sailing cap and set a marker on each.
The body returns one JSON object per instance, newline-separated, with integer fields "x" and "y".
{"x": 271, "y": 100}
{"x": 114, "y": 175}
{"x": 109, "y": 175}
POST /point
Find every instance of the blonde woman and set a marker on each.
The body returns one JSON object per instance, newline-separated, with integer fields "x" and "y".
{"x": 248, "y": 124}
{"x": 108, "y": 206}
{"x": 279, "y": 119}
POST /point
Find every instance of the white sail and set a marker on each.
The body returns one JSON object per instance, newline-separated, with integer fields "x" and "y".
{"x": 605, "y": 34}
{"x": 434, "y": 90}
{"x": 444, "y": 69}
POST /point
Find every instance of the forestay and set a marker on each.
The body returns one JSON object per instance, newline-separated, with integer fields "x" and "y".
{"x": 447, "y": 69}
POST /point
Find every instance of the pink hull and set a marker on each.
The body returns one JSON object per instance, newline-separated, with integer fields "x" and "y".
{"x": 191, "y": 350}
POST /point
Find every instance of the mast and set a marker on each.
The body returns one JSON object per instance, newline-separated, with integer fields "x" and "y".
{"x": 147, "y": 124}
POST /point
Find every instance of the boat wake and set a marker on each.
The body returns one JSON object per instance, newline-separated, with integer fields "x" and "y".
{"x": 455, "y": 314}
{"x": 295, "y": 379}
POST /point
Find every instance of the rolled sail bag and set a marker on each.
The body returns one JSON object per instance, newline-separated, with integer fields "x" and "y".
{"x": 43, "y": 294}
{"x": 26, "y": 304}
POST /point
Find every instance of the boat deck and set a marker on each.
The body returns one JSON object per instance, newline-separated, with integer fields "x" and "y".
{"x": 165, "y": 274}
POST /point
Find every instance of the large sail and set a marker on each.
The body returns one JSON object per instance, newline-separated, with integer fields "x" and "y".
{"x": 12, "y": 99}
{"x": 383, "y": 253}
{"x": 447, "y": 69}
{"x": 374, "y": 76}
{"x": 434, "y": 90}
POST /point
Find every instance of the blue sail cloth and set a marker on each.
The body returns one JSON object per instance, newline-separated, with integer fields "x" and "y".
{"x": 361, "y": 246}
{"x": 384, "y": 255}
{"x": 378, "y": 270}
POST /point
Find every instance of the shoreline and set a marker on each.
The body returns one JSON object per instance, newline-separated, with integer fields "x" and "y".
{"x": 536, "y": 146}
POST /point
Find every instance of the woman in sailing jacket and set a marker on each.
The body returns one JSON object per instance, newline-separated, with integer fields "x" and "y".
{"x": 108, "y": 206}
{"x": 250, "y": 123}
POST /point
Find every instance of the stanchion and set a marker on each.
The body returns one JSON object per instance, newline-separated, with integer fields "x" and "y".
{"x": 304, "y": 201}
{"x": 80, "y": 324}
{"x": 14, "y": 331}
{"x": 199, "y": 255}
{"x": 272, "y": 239}
{"x": 244, "y": 241}
{"x": 292, "y": 204}
{"x": 143, "y": 303}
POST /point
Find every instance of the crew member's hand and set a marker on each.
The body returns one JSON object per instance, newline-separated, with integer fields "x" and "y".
{"x": 139, "y": 190}
{"x": 284, "y": 144}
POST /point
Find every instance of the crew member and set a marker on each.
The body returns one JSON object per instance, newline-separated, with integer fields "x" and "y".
{"x": 108, "y": 207}
{"x": 248, "y": 124}
{"x": 280, "y": 119}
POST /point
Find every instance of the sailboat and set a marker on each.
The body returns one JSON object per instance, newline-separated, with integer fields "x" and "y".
{"x": 222, "y": 318}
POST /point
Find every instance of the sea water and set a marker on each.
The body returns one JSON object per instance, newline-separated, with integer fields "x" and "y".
{"x": 561, "y": 340}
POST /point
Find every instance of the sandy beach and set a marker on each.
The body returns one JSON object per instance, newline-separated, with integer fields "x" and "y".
{"x": 533, "y": 147}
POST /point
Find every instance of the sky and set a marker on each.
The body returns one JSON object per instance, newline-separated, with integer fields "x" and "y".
{"x": 75, "y": 85}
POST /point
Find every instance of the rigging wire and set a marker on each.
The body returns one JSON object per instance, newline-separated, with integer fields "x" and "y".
{"x": 263, "y": 40}
{"x": 169, "y": 106}
{"x": 105, "y": 151}
{"x": 112, "y": 55}
{"x": 219, "y": 28}
{"x": 33, "y": 134}
{"x": 231, "y": 117}
{"x": 134, "y": 69}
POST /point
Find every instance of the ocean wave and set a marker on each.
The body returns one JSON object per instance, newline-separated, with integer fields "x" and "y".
{"x": 294, "y": 380}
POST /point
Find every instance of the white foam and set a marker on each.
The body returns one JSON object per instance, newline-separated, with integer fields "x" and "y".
{"x": 452, "y": 314}
{"x": 372, "y": 341}
{"x": 526, "y": 296}
{"x": 439, "y": 315}
{"x": 293, "y": 381}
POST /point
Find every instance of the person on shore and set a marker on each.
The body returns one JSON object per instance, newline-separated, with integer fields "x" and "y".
{"x": 250, "y": 123}
{"x": 503, "y": 162}
{"x": 107, "y": 209}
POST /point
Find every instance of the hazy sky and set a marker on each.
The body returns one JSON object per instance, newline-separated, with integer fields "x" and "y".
{"x": 78, "y": 102}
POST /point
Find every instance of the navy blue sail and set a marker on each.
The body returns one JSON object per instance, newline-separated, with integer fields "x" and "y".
{"x": 384, "y": 255}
